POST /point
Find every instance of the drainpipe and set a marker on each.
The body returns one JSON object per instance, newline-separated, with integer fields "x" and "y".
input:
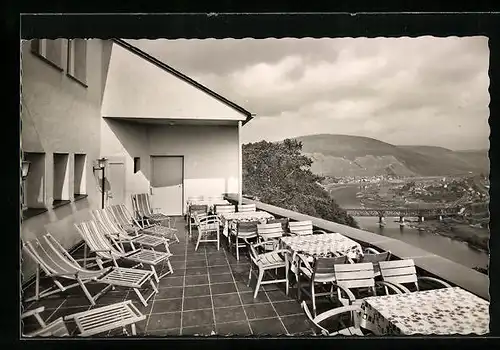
{"x": 240, "y": 166}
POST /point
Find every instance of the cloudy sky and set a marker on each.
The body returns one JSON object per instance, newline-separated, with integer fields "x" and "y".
{"x": 426, "y": 91}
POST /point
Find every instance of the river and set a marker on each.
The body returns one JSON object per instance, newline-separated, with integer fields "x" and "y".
{"x": 443, "y": 246}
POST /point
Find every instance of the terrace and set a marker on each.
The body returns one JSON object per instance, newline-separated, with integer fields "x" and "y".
{"x": 208, "y": 294}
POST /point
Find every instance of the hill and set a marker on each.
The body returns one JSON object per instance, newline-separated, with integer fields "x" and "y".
{"x": 345, "y": 155}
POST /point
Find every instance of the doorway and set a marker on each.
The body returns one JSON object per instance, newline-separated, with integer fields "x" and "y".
{"x": 167, "y": 184}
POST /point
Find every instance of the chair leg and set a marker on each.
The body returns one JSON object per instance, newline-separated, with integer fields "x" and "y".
{"x": 237, "y": 249}
{"x": 218, "y": 239}
{"x": 249, "y": 275}
{"x": 134, "y": 332}
{"x": 86, "y": 291}
{"x": 286, "y": 277}
{"x": 313, "y": 297}
{"x": 259, "y": 280}
{"x": 198, "y": 241}
{"x": 155, "y": 275}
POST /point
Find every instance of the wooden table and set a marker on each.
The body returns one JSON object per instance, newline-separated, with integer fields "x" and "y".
{"x": 444, "y": 311}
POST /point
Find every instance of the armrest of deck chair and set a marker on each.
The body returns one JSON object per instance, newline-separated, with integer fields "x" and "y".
{"x": 33, "y": 312}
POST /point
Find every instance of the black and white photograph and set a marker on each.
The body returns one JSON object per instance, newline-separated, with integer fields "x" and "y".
{"x": 255, "y": 187}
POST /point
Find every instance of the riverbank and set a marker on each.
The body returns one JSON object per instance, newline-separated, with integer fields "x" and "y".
{"x": 476, "y": 238}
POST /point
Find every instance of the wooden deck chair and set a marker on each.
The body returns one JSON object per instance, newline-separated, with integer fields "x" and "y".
{"x": 321, "y": 272}
{"x": 128, "y": 222}
{"x": 207, "y": 225}
{"x": 264, "y": 263}
{"x": 222, "y": 209}
{"x": 243, "y": 208}
{"x": 360, "y": 276}
{"x": 245, "y": 231}
{"x": 112, "y": 228}
{"x": 195, "y": 208}
{"x": 270, "y": 234}
{"x": 59, "y": 265}
{"x": 353, "y": 310}
{"x": 374, "y": 256}
{"x": 401, "y": 272}
{"x": 144, "y": 210}
{"x": 107, "y": 249}
{"x": 90, "y": 322}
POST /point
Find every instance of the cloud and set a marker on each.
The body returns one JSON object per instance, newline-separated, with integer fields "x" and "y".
{"x": 423, "y": 90}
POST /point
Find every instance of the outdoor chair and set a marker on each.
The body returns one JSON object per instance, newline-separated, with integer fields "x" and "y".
{"x": 321, "y": 272}
{"x": 357, "y": 277}
{"x": 207, "y": 225}
{"x": 264, "y": 262}
{"x": 107, "y": 250}
{"x": 374, "y": 256}
{"x": 244, "y": 232}
{"x": 113, "y": 229}
{"x": 243, "y": 208}
{"x": 301, "y": 227}
{"x": 59, "y": 265}
{"x": 224, "y": 209}
{"x": 192, "y": 199}
{"x": 401, "y": 272}
{"x": 199, "y": 209}
{"x": 270, "y": 235}
{"x": 144, "y": 210}
{"x": 284, "y": 224}
{"x": 353, "y": 310}
{"x": 90, "y": 322}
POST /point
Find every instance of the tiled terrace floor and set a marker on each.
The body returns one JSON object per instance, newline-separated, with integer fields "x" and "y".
{"x": 206, "y": 294}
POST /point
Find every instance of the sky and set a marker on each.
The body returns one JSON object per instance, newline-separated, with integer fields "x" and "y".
{"x": 404, "y": 91}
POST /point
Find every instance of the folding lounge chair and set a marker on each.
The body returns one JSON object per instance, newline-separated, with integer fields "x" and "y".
{"x": 113, "y": 229}
{"x": 107, "y": 249}
{"x": 152, "y": 222}
{"x": 58, "y": 264}
{"x": 90, "y": 322}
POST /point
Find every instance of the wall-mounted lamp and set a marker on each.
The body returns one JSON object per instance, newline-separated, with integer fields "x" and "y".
{"x": 100, "y": 164}
{"x": 25, "y": 169}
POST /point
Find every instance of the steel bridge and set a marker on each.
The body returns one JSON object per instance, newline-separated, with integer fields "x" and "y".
{"x": 402, "y": 212}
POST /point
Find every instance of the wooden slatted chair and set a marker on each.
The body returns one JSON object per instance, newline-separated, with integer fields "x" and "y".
{"x": 207, "y": 225}
{"x": 265, "y": 262}
{"x": 112, "y": 228}
{"x": 195, "y": 208}
{"x": 245, "y": 231}
{"x": 373, "y": 256}
{"x": 59, "y": 265}
{"x": 321, "y": 272}
{"x": 401, "y": 272}
{"x": 358, "y": 277}
{"x": 353, "y": 310}
{"x": 90, "y": 322}
{"x": 301, "y": 227}
{"x": 222, "y": 209}
{"x": 243, "y": 208}
{"x": 107, "y": 250}
{"x": 192, "y": 199}
{"x": 284, "y": 224}
{"x": 270, "y": 234}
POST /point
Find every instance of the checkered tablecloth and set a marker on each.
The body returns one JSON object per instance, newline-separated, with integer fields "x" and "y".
{"x": 323, "y": 245}
{"x": 231, "y": 219}
{"x": 444, "y": 311}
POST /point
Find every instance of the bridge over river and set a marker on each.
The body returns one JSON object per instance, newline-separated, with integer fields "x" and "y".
{"x": 404, "y": 212}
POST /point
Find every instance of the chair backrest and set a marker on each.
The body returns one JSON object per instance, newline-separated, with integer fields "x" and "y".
{"x": 56, "y": 328}
{"x": 283, "y": 221}
{"x": 121, "y": 214}
{"x": 142, "y": 205}
{"x": 324, "y": 266}
{"x": 247, "y": 229}
{"x": 376, "y": 258}
{"x": 301, "y": 227}
{"x": 242, "y": 208}
{"x": 399, "y": 271}
{"x": 92, "y": 233}
{"x": 219, "y": 197}
{"x": 269, "y": 231}
{"x": 219, "y": 209}
{"x": 196, "y": 208}
{"x": 353, "y": 276}
{"x": 107, "y": 222}
{"x": 51, "y": 263}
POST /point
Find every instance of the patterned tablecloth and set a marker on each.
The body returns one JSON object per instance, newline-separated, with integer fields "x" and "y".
{"x": 444, "y": 311}
{"x": 233, "y": 218}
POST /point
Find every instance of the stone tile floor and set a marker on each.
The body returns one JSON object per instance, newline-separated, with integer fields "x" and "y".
{"x": 206, "y": 294}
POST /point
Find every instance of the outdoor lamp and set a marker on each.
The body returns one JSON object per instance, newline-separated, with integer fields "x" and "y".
{"x": 25, "y": 169}
{"x": 101, "y": 165}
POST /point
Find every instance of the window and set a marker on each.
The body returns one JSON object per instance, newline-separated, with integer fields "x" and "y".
{"x": 77, "y": 60}
{"x": 34, "y": 185}
{"x": 137, "y": 164}
{"x": 61, "y": 179}
{"x": 80, "y": 183}
{"x": 50, "y": 51}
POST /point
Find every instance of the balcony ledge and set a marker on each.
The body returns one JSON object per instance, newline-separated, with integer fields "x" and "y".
{"x": 435, "y": 265}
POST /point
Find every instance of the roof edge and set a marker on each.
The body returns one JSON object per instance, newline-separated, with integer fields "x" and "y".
{"x": 135, "y": 50}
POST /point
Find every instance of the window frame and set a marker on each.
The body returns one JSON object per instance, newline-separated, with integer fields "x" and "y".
{"x": 70, "y": 64}
{"x": 41, "y": 52}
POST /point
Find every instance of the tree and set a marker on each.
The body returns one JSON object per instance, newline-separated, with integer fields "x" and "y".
{"x": 278, "y": 173}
